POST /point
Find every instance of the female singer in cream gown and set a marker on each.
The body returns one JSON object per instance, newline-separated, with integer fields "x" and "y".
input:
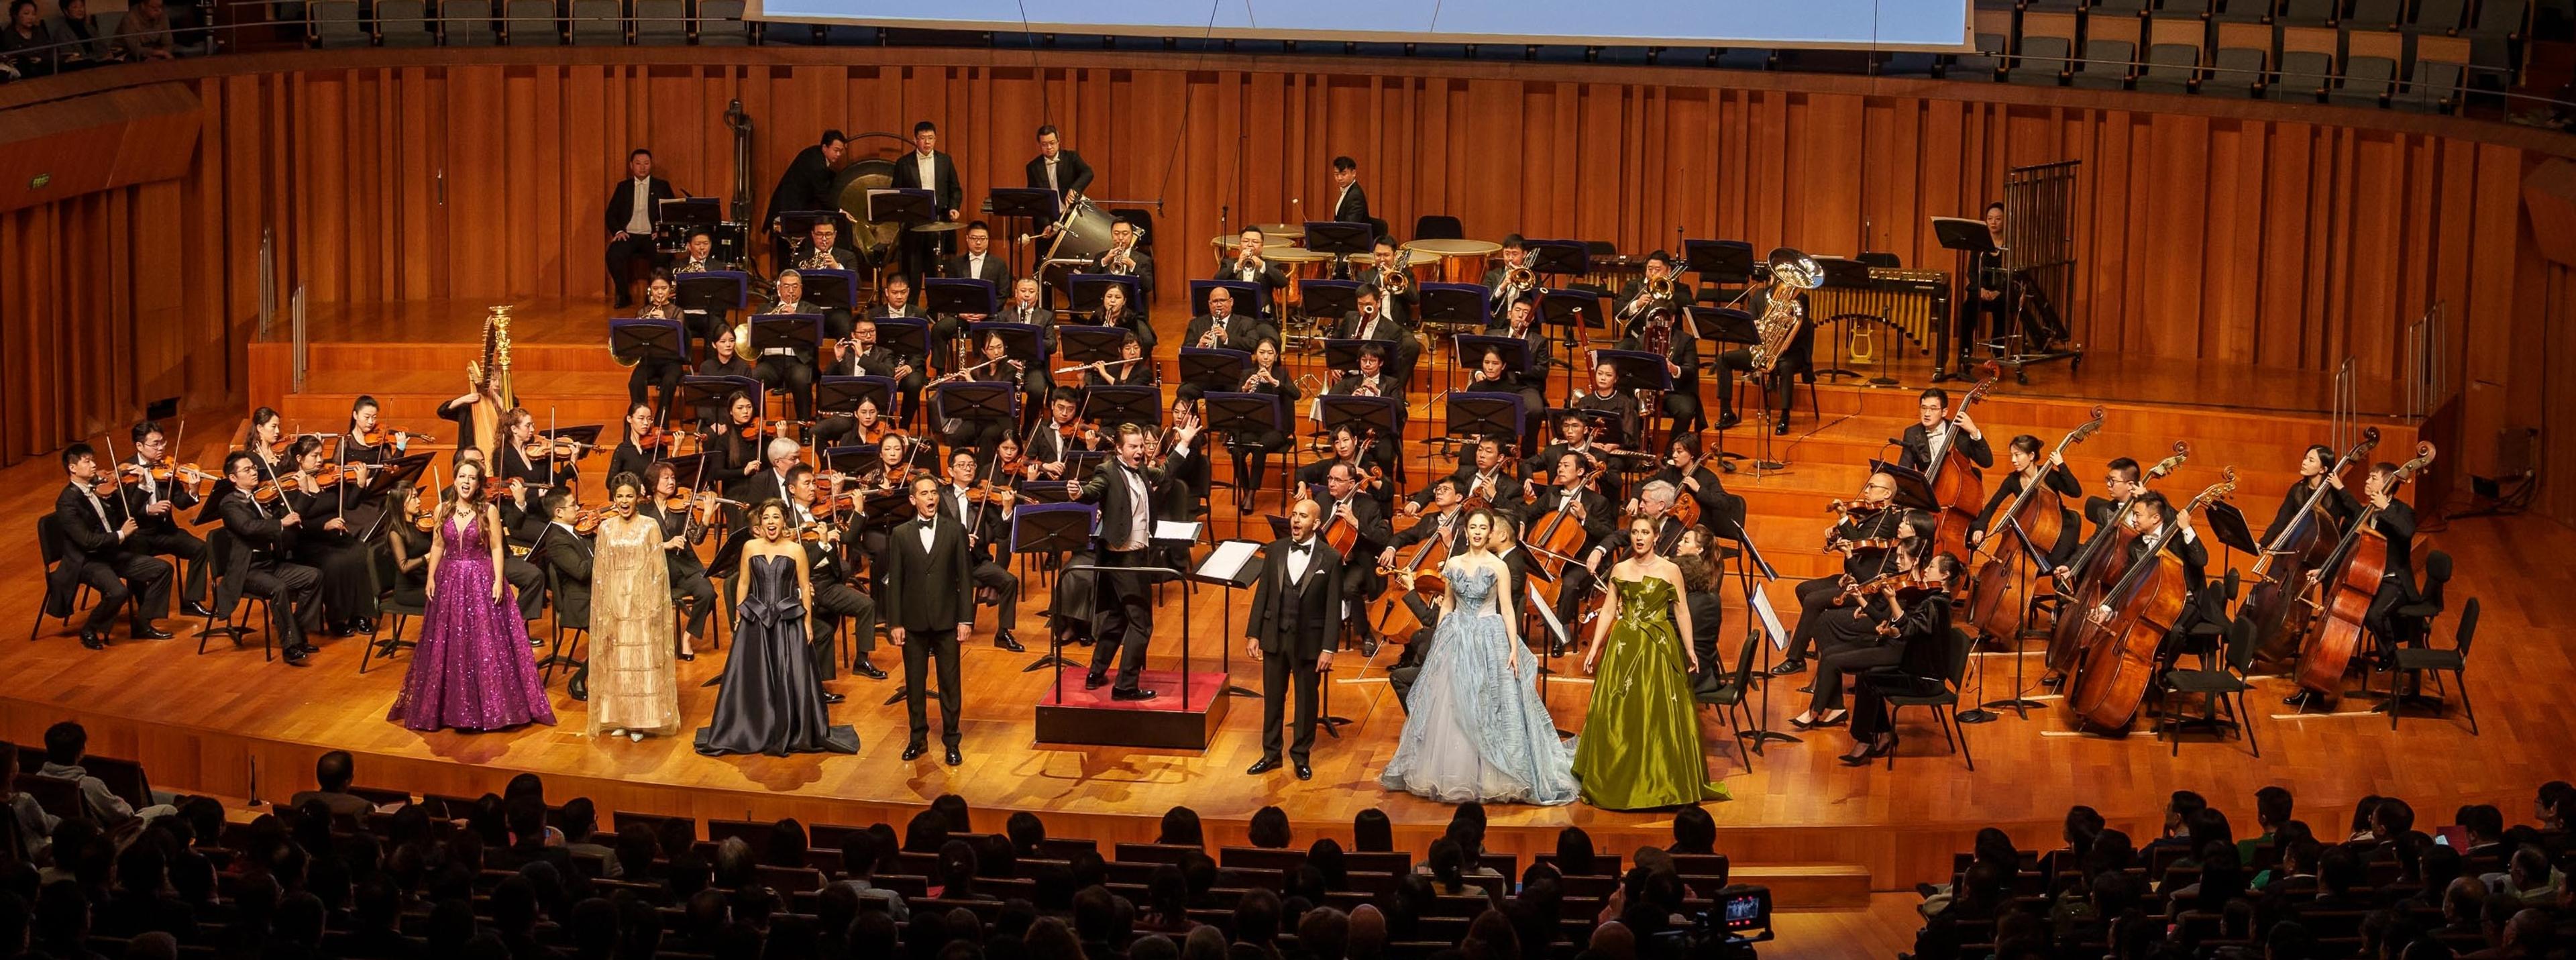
{"x": 634, "y": 689}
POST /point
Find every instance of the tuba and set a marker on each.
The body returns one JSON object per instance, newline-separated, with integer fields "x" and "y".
{"x": 1782, "y": 317}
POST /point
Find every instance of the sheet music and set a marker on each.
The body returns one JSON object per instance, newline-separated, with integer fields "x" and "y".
{"x": 1227, "y": 560}
{"x": 1176, "y": 531}
{"x": 1547, "y": 615}
{"x": 1770, "y": 620}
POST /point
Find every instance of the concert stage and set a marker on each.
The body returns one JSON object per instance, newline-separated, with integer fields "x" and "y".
{"x": 230, "y": 724}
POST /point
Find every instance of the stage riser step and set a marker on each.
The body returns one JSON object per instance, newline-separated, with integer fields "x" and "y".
{"x": 1809, "y": 886}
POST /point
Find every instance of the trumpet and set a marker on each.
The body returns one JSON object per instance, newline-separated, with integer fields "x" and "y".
{"x": 1246, "y": 263}
{"x": 1121, "y": 258}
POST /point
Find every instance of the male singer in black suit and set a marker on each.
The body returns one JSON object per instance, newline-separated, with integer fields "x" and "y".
{"x": 633, "y": 209}
{"x": 1250, "y": 266}
{"x": 155, "y": 508}
{"x": 262, "y": 539}
{"x": 979, "y": 262}
{"x": 1295, "y": 607}
{"x": 1125, "y": 491}
{"x": 925, "y": 168}
{"x": 807, "y": 185}
{"x": 1926, "y": 441}
{"x": 101, "y": 555}
{"x": 1058, "y": 169}
{"x": 930, "y": 599}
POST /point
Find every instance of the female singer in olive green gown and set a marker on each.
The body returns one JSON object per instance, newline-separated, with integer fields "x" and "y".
{"x": 1640, "y": 748}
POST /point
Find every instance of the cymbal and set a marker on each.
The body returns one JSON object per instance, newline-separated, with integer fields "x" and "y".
{"x": 939, "y": 227}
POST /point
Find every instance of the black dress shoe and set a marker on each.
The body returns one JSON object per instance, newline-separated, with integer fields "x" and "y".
{"x": 145, "y": 631}
{"x": 1727, "y": 421}
{"x": 1780, "y": 429}
{"x": 869, "y": 670}
{"x": 1004, "y": 641}
{"x": 688, "y": 657}
{"x": 1262, "y": 766}
{"x": 295, "y": 658}
{"x": 194, "y": 609}
{"x": 363, "y": 625}
{"x": 1305, "y": 772}
{"x": 1793, "y": 665}
{"x": 1093, "y": 681}
{"x": 914, "y": 751}
{"x": 93, "y": 639}
{"x": 1368, "y": 645}
{"x": 1131, "y": 694}
{"x": 953, "y": 758}
{"x": 832, "y": 698}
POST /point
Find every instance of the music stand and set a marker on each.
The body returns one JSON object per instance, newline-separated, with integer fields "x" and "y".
{"x": 635, "y": 341}
{"x": 1515, "y": 350}
{"x": 1362, "y": 414}
{"x": 383, "y": 479}
{"x": 791, "y": 331}
{"x": 903, "y": 336}
{"x": 1328, "y": 299}
{"x": 1114, "y": 405}
{"x": 832, "y": 289}
{"x": 959, "y": 297}
{"x": 1083, "y": 291}
{"x": 1340, "y": 237}
{"x": 686, "y": 215}
{"x": 695, "y": 392}
{"x": 1971, "y": 241}
{"x": 1250, "y": 299}
{"x": 1051, "y": 528}
{"x": 1720, "y": 262}
{"x": 1214, "y": 368}
{"x": 1341, "y": 356}
{"x": 975, "y": 400}
{"x": 834, "y": 394}
{"x": 1213, "y": 571}
{"x": 1457, "y": 304}
{"x": 1913, "y": 490}
{"x": 1474, "y": 413}
{"x": 908, "y": 206}
{"x": 1086, "y": 343}
{"x": 849, "y": 460}
{"x": 1563, "y": 257}
{"x": 1638, "y": 369}
{"x": 1246, "y": 414}
{"x": 713, "y": 291}
{"x": 1024, "y": 342}
{"x": 1038, "y": 205}
{"x": 688, "y": 468}
{"x": 1570, "y": 308}
{"x": 2227, "y": 526}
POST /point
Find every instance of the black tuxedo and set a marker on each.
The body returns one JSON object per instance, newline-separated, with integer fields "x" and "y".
{"x": 1270, "y": 277}
{"x": 1918, "y": 448}
{"x": 1071, "y": 174}
{"x": 115, "y": 567}
{"x": 1293, "y": 622}
{"x": 929, "y": 593}
{"x": 688, "y": 572}
{"x": 567, "y": 556}
{"x": 1125, "y": 625}
{"x": 1353, "y": 206}
{"x": 1143, "y": 272}
{"x": 946, "y": 194}
{"x": 259, "y": 567}
{"x": 621, "y": 210}
{"x": 162, "y": 535}
{"x": 1242, "y": 331}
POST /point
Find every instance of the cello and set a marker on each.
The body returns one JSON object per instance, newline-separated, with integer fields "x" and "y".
{"x": 2126, "y": 630}
{"x": 1956, "y": 483}
{"x": 2349, "y": 587}
{"x": 1998, "y": 597}
{"x": 2100, "y": 562}
{"x": 1405, "y": 605}
{"x": 1556, "y": 538}
{"x": 2304, "y": 544}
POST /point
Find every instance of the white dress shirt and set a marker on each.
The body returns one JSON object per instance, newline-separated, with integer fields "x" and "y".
{"x": 1050, "y": 170}
{"x": 641, "y": 219}
{"x": 929, "y": 532}
{"x": 929, "y": 166}
{"x": 1141, "y": 515}
{"x": 1301, "y": 554}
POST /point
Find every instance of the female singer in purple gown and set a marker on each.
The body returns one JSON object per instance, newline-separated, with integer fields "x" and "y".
{"x": 472, "y": 669}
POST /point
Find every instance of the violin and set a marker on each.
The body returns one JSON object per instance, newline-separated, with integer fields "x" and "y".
{"x": 187, "y": 473}
{"x": 378, "y": 436}
{"x": 558, "y": 448}
{"x": 651, "y": 439}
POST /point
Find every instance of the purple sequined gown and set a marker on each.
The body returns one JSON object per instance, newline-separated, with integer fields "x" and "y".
{"x": 472, "y": 669}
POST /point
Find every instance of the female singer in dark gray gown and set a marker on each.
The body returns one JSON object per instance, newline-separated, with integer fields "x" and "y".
{"x": 771, "y": 702}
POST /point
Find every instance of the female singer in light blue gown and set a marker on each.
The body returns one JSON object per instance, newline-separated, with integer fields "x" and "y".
{"x": 1478, "y": 730}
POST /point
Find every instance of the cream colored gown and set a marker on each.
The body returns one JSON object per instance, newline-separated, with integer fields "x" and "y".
{"x": 633, "y": 685}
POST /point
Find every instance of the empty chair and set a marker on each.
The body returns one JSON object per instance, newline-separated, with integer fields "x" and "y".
{"x": 1994, "y": 39}
{"x": 2052, "y": 5}
{"x": 465, "y": 23}
{"x": 1437, "y": 51}
{"x": 2369, "y": 67}
{"x": 1569, "y": 53}
{"x": 530, "y": 23}
{"x": 332, "y": 24}
{"x": 2047, "y": 43}
{"x": 2309, "y": 13}
{"x": 1498, "y": 51}
{"x": 2307, "y": 63}
{"x": 1437, "y": 226}
{"x": 2174, "y": 46}
{"x": 403, "y": 23}
{"x": 2495, "y": 37}
{"x": 2416, "y": 662}
{"x": 2131, "y": 7}
{"x": 2438, "y": 16}
{"x": 720, "y": 24}
{"x": 2375, "y": 15}
{"x": 2243, "y": 64}
{"x": 1909, "y": 64}
{"x": 2440, "y": 77}
{"x": 2110, "y": 53}
{"x": 2239, "y": 11}
{"x": 598, "y": 23}
{"x": 1746, "y": 58}
{"x": 661, "y": 22}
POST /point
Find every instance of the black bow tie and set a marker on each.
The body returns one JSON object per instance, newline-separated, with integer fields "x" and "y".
{"x": 1301, "y": 546}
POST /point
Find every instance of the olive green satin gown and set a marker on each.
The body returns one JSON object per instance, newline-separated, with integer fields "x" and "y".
{"x": 1640, "y": 747}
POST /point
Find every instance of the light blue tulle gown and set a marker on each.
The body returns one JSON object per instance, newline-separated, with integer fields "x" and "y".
{"x": 1477, "y": 731}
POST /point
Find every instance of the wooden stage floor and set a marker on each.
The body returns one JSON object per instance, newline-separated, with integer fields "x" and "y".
{"x": 229, "y": 723}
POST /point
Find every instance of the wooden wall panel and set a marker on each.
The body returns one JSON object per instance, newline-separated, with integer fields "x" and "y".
{"x": 2231, "y": 234}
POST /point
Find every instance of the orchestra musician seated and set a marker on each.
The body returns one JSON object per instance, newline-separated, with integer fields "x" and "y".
{"x": 1661, "y": 332}
{"x": 863, "y": 355}
{"x": 1135, "y": 262}
{"x": 2147, "y": 516}
{"x": 1871, "y": 530}
{"x": 660, "y": 372}
{"x": 788, "y": 369}
{"x": 564, "y": 553}
{"x": 1893, "y": 622}
{"x": 2395, "y": 522}
{"x": 263, "y": 538}
{"x": 1051, "y": 446}
{"x": 1384, "y": 315}
{"x": 1687, "y": 470}
{"x": 1022, "y": 307}
{"x": 1250, "y": 266}
{"x": 100, "y": 551}
{"x": 698, "y": 255}
{"x": 977, "y": 263}
{"x": 1221, "y": 326}
{"x": 822, "y": 249}
{"x": 1493, "y": 376}
{"x": 1504, "y": 293}
{"x": 1133, "y": 369}
{"x": 1372, "y": 379}
{"x": 1252, "y": 450}
{"x": 681, "y": 533}
{"x": 634, "y": 209}
{"x": 1574, "y": 434}
{"x": 329, "y": 542}
{"x": 1346, "y": 446}
{"x": 631, "y": 456}
{"x": 836, "y": 598}
{"x": 1487, "y": 475}
{"x": 1927, "y": 439}
{"x": 1343, "y": 500}
{"x": 159, "y": 501}
{"x": 1796, "y": 361}
{"x": 997, "y": 366}
{"x": 2028, "y": 466}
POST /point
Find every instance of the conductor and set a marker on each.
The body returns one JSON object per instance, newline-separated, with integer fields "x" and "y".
{"x": 1125, "y": 491}
{"x": 1296, "y": 607}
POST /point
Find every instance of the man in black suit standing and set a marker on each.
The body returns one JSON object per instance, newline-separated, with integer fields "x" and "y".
{"x": 1350, "y": 203}
{"x": 633, "y": 209}
{"x": 1058, "y": 169}
{"x": 101, "y": 557}
{"x": 1295, "y": 607}
{"x": 925, "y": 168}
{"x": 262, "y": 540}
{"x": 1125, "y": 491}
{"x": 930, "y": 599}
{"x": 807, "y": 185}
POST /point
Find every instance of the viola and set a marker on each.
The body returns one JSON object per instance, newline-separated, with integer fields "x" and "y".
{"x": 2142, "y": 607}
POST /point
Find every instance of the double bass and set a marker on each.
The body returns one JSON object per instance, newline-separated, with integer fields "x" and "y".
{"x": 2143, "y": 606}
{"x": 1956, "y": 483}
{"x": 2037, "y": 516}
{"x": 2100, "y": 562}
{"x": 2281, "y": 574}
{"x": 2349, "y": 588}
